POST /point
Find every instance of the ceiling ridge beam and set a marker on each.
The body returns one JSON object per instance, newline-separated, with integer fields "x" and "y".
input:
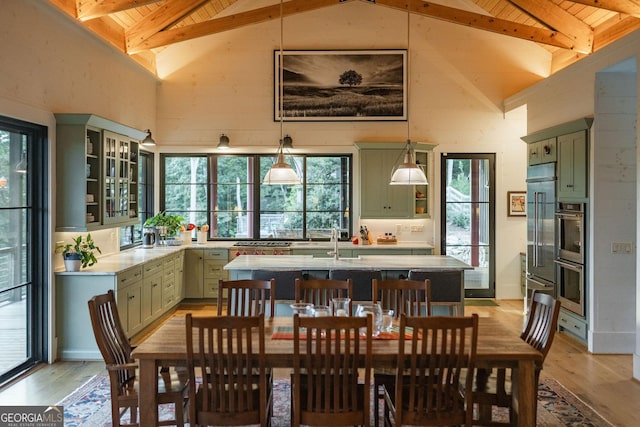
{"x": 92, "y": 9}
{"x": 160, "y": 19}
{"x": 226, "y": 23}
{"x": 482, "y": 22}
{"x": 555, "y": 17}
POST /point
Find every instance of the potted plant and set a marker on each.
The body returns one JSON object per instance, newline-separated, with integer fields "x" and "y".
{"x": 171, "y": 222}
{"x": 79, "y": 254}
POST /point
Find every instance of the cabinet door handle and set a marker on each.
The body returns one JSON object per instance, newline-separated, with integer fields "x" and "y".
{"x": 132, "y": 297}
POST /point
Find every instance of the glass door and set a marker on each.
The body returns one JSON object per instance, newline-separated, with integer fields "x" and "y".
{"x": 23, "y": 244}
{"x": 468, "y": 217}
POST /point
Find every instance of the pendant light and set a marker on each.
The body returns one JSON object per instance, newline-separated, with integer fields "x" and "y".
{"x": 148, "y": 141}
{"x": 281, "y": 173}
{"x": 408, "y": 172}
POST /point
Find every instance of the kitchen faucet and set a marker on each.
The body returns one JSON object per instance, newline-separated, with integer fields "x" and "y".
{"x": 335, "y": 233}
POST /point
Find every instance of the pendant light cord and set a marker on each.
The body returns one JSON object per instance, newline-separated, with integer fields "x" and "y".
{"x": 281, "y": 73}
{"x": 407, "y": 71}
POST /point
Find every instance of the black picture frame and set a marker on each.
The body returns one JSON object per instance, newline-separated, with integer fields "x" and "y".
{"x": 341, "y": 85}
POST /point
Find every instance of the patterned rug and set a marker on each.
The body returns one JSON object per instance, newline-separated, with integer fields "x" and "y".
{"x": 89, "y": 406}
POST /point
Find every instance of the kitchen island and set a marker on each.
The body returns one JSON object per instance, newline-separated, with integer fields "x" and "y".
{"x": 437, "y": 267}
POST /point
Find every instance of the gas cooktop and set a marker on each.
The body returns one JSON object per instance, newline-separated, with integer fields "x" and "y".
{"x": 263, "y": 243}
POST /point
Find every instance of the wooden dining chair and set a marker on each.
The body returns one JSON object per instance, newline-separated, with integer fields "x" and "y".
{"x": 428, "y": 377}
{"x": 322, "y": 291}
{"x": 361, "y": 281}
{"x": 116, "y": 351}
{"x": 409, "y": 297}
{"x": 246, "y": 297}
{"x": 497, "y": 389}
{"x": 235, "y": 388}
{"x": 327, "y": 353}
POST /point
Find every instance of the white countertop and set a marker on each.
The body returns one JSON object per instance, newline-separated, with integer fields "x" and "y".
{"x": 363, "y": 262}
{"x": 115, "y": 263}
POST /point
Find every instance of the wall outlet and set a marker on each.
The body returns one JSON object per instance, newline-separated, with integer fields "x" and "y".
{"x": 398, "y": 228}
{"x": 621, "y": 248}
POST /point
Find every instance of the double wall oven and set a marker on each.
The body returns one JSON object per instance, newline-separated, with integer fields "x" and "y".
{"x": 571, "y": 256}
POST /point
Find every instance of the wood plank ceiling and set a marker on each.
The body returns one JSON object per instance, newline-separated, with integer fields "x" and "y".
{"x": 570, "y": 30}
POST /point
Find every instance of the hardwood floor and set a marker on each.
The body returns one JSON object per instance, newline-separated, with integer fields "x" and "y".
{"x": 604, "y": 382}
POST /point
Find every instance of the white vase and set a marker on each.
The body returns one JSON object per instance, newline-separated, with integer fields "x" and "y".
{"x": 72, "y": 264}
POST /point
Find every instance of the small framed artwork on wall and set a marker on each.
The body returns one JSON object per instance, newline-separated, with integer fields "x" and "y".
{"x": 516, "y": 203}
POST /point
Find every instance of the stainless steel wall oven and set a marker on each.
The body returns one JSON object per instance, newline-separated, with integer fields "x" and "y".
{"x": 571, "y": 256}
{"x": 570, "y": 277}
{"x": 570, "y": 218}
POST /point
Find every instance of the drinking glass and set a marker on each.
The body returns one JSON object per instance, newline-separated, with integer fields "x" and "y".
{"x": 387, "y": 320}
{"x": 340, "y": 306}
{"x": 375, "y": 310}
{"x": 321, "y": 311}
{"x": 304, "y": 309}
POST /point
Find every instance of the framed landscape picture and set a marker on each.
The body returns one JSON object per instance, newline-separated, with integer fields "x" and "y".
{"x": 341, "y": 85}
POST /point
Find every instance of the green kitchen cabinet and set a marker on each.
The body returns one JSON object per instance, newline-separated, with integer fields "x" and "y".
{"x": 152, "y": 290}
{"x": 544, "y": 151}
{"x": 572, "y": 166}
{"x": 378, "y": 199}
{"x": 203, "y": 269}
{"x": 96, "y": 173}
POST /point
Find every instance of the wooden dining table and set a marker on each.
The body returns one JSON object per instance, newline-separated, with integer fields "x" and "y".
{"x": 498, "y": 346}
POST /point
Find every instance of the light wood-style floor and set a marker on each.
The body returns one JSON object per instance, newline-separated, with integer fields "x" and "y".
{"x": 604, "y": 382}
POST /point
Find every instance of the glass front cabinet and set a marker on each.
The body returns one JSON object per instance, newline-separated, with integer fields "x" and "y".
{"x": 96, "y": 173}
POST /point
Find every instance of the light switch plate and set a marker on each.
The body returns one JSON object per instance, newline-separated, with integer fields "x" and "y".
{"x": 621, "y": 248}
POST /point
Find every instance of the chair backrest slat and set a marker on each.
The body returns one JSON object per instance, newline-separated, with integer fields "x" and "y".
{"x": 541, "y": 322}
{"x": 246, "y": 297}
{"x": 322, "y": 291}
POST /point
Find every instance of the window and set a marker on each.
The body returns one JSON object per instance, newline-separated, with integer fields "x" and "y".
{"x": 226, "y": 192}
{"x": 132, "y": 235}
{"x": 24, "y": 247}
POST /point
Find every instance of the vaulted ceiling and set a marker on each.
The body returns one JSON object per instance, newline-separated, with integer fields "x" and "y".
{"x": 570, "y": 30}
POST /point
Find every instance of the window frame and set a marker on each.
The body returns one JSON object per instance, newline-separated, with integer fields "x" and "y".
{"x": 253, "y": 227}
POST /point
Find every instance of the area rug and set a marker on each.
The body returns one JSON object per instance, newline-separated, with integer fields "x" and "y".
{"x": 89, "y": 406}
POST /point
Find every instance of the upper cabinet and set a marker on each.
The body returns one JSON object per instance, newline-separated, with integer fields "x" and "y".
{"x": 572, "y": 166}
{"x": 96, "y": 173}
{"x": 542, "y": 152}
{"x": 378, "y": 199}
{"x": 568, "y": 145}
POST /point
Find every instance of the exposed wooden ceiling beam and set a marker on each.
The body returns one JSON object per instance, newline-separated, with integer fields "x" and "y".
{"x": 557, "y": 18}
{"x": 227, "y": 23}
{"x": 92, "y": 9}
{"x": 482, "y": 22}
{"x": 163, "y": 17}
{"x": 628, "y": 7}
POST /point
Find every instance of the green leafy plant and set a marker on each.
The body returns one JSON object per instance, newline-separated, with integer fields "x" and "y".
{"x": 172, "y": 222}
{"x": 82, "y": 249}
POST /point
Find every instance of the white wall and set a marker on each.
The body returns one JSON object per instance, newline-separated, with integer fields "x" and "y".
{"x": 458, "y": 78}
{"x": 614, "y": 320}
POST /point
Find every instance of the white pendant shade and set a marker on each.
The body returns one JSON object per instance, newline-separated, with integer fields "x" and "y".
{"x": 408, "y": 173}
{"x": 281, "y": 173}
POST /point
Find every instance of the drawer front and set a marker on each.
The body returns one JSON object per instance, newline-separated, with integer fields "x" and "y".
{"x": 210, "y": 288}
{"x": 219, "y": 254}
{"x": 129, "y": 276}
{"x": 572, "y": 325}
{"x": 214, "y": 269}
{"x": 168, "y": 294}
{"x": 153, "y": 267}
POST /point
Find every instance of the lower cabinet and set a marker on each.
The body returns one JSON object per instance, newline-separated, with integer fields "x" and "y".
{"x": 152, "y": 290}
{"x": 573, "y": 324}
{"x": 203, "y": 269}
